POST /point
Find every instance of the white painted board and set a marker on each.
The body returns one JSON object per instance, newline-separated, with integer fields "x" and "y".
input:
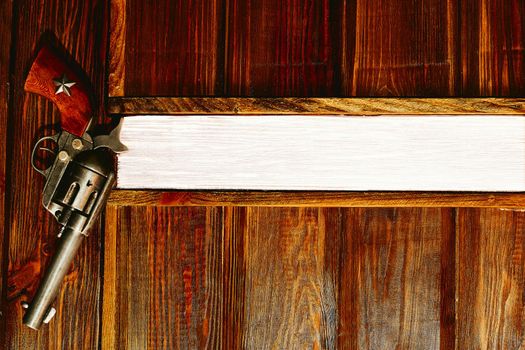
{"x": 383, "y": 153}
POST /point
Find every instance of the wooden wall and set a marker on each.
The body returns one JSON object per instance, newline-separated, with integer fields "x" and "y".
{"x": 254, "y": 277}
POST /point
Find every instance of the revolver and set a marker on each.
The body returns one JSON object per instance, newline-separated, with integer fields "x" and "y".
{"x": 79, "y": 177}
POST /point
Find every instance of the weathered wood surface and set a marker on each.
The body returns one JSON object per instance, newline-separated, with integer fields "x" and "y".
{"x": 338, "y": 277}
{"x": 317, "y": 199}
{"x": 278, "y": 278}
{"x": 318, "y": 106}
{"x": 6, "y": 12}
{"x": 392, "y": 274}
{"x": 490, "y": 279}
{"x": 163, "y": 289}
{"x": 31, "y": 232}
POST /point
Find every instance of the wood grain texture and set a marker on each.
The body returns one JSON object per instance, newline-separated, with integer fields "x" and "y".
{"x": 79, "y": 26}
{"x": 117, "y": 43}
{"x": 321, "y": 48}
{"x": 380, "y": 57}
{"x": 253, "y": 277}
{"x": 290, "y": 303}
{"x": 317, "y": 199}
{"x": 491, "y": 279}
{"x": 392, "y": 286}
{"x": 75, "y": 107}
{"x": 176, "y": 43}
{"x": 163, "y": 282}
{"x": 328, "y": 106}
{"x": 492, "y": 51}
{"x": 288, "y": 43}
{"x": 6, "y": 15}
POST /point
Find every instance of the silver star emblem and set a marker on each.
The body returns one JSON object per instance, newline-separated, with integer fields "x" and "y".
{"x": 63, "y": 85}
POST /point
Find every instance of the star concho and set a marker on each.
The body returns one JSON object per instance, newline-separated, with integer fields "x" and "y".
{"x": 63, "y": 85}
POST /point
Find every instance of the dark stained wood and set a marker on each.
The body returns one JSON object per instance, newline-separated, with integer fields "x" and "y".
{"x": 75, "y": 108}
{"x": 491, "y": 279}
{"x": 317, "y": 199}
{"x": 80, "y": 27}
{"x": 492, "y": 34}
{"x": 6, "y": 15}
{"x": 398, "y": 48}
{"x": 320, "y": 48}
{"x": 162, "y": 281}
{"x": 288, "y": 43}
{"x": 329, "y": 106}
{"x": 177, "y": 45}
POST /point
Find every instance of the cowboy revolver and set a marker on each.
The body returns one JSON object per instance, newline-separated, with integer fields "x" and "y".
{"x": 79, "y": 178}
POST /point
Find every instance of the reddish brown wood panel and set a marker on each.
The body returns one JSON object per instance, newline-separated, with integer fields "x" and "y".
{"x": 80, "y": 27}
{"x": 172, "y": 47}
{"x": 492, "y": 34}
{"x": 6, "y": 13}
{"x": 398, "y": 48}
{"x": 318, "y": 47}
{"x": 162, "y": 281}
{"x": 288, "y": 43}
{"x": 491, "y": 279}
{"x": 255, "y": 277}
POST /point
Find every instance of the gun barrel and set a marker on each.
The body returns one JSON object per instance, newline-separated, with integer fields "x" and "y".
{"x": 39, "y": 307}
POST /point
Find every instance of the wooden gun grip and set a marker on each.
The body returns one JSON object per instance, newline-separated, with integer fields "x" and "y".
{"x": 75, "y": 110}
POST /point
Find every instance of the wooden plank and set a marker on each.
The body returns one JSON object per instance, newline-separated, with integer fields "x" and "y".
{"x": 170, "y": 47}
{"x": 493, "y": 61}
{"x": 234, "y": 277}
{"x": 392, "y": 286}
{"x": 80, "y": 27}
{"x": 6, "y": 16}
{"x": 288, "y": 43}
{"x": 163, "y": 285}
{"x": 289, "y": 301}
{"x": 398, "y": 48}
{"x": 311, "y": 105}
{"x": 491, "y": 279}
{"x": 317, "y": 199}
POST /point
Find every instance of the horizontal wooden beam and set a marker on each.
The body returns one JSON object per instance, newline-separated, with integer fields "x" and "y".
{"x": 317, "y": 199}
{"x": 332, "y": 106}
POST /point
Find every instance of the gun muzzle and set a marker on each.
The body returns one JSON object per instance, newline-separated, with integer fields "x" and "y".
{"x": 77, "y": 200}
{"x": 40, "y": 308}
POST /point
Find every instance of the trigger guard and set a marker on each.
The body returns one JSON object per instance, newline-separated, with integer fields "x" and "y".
{"x": 43, "y": 172}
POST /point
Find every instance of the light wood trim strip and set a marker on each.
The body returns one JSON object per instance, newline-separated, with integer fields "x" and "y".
{"x": 317, "y": 199}
{"x": 332, "y": 106}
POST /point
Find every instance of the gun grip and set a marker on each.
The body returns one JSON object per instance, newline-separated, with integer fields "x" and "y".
{"x": 75, "y": 110}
